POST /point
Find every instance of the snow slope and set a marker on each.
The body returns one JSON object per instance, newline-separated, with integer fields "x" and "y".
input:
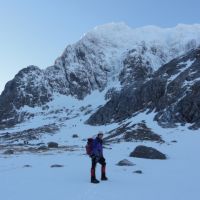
{"x": 175, "y": 178}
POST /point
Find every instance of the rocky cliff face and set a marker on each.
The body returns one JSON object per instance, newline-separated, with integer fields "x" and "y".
{"x": 115, "y": 54}
{"x": 29, "y": 87}
{"x": 172, "y": 92}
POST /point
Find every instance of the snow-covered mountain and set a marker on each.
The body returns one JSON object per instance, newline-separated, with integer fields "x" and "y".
{"x": 140, "y": 86}
{"x": 107, "y": 59}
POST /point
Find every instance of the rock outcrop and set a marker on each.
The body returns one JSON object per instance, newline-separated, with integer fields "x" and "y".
{"x": 172, "y": 92}
{"x": 148, "y": 153}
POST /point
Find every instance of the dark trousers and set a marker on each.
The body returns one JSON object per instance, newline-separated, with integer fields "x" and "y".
{"x": 102, "y": 162}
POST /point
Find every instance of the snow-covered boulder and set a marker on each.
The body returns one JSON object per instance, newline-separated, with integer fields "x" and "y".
{"x": 125, "y": 162}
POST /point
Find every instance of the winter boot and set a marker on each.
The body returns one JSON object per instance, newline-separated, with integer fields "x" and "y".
{"x": 103, "y": 173}
{"x": 104, "y": 178}
{"x": 93, "y": 176}
{"x": 94, "y": 180}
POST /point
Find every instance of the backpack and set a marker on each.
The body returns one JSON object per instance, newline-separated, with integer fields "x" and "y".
{"x": 89, "y": 146}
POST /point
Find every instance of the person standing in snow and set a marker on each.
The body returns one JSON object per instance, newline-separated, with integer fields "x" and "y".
{"x": 97, "y": 157}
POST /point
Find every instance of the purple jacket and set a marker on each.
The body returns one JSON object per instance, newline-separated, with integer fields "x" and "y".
{"x": 97, "y": 149}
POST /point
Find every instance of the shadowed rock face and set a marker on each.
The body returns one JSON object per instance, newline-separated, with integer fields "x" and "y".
{"x": 173, "y": 92}
{"x": 181, "y": 102}
{"x": 129, "y": 101}
{"x": 135, "y": 68}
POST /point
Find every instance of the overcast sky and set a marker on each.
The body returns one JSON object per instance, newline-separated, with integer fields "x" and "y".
{"x": 37, "y": 31}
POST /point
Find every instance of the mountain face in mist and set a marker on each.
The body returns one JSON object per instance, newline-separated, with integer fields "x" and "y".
{"x": 143, "y": 69}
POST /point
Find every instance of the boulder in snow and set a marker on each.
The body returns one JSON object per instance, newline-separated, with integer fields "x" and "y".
{"x": 9, "y": 152}
{"x": 56, "y": 165}
{"x": 27, "y": 166}
{"x": 125, "y": 162}
{"x": 75, "y": 136}
{"x": 53, "y": 145}
{"x": 138, "y": 172}
{"x": 42, "y": 148}
{"x": 147, "y": 152}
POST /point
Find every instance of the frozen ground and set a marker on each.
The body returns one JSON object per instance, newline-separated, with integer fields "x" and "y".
{"x": 175, "y": 178}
